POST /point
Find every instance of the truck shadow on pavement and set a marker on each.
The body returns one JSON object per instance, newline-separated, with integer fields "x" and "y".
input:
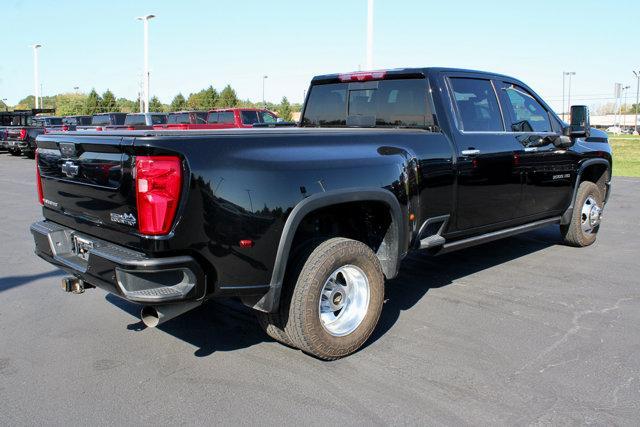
{"x": 420, "y": 273}
{"x": 227, "y": 325}
{"x": 9, "y": 282}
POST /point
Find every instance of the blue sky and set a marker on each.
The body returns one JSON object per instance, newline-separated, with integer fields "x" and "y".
{"x": 98, "y": 44}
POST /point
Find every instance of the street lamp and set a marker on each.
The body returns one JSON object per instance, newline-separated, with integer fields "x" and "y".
{"x": 145, "y": 19}
{"x": 264, "y": 104}
{"x": 564, "y": 74}
{"x": 625, "y": 90}
{"x": 637, "y": 74}
{"x": 370, "y": 35}
{"x": 36, "y": 77}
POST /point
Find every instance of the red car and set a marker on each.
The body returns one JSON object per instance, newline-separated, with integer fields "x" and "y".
{"x": 240, "y": 117}
{"x": 223, "y": 118}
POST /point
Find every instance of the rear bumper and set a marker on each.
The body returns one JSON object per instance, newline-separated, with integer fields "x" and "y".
{"x": 122, "y": 271}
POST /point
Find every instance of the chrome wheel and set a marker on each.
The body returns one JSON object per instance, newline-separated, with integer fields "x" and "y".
{"x": 590, "y": 215}
{"x": 344, "y": 300}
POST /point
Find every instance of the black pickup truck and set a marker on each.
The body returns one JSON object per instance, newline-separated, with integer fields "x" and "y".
{"x": 304, "y": 224}
{"x": 20, "y": 128}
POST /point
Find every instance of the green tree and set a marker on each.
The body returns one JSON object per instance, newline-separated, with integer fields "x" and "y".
{"x": 108, "y": 103}
{"x": 284, "y": 110}
{"x": 228, "y": 98}
{"x": 178, "y": 103}
{"x": 69, "y": 104}
{"x": 93, "y": 103}
{"x": 194, "y": 101}
{"x": 29, "y": 102}
{"x": 155, "y": 106}
{"x": 127, "y": 106}
{"x": 209, "y": 98}
{"x": 206, "y": 99}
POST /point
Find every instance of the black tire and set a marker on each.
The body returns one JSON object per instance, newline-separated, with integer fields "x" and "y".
{"x": 14, "y": 152}
{"x": 273, "y": 325}
{"x": 573, "y": 233}
{"x": 303, "y": 325}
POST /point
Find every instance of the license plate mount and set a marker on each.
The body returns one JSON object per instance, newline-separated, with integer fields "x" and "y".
{"x": 81, "y": 246}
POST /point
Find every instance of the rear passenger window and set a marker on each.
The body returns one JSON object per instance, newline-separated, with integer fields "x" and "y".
{"x": 249, "y": 117}
{"x": 526, "y": 114}
{"x": 477, "y": 105}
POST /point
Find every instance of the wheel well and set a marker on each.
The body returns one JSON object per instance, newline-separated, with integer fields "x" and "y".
{"x": 369, "y": 222}
{"x": 598, "y": 174}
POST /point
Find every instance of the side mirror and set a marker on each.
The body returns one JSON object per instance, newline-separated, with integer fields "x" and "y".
{"x": 580, "y": 124}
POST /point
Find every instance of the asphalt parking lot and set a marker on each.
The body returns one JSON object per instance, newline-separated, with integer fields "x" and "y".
{"x": 519, "y": 331}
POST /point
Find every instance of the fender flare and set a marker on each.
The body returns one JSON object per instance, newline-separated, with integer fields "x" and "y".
{"x": 568, "y": 213}
{"x": 271, "y": 300}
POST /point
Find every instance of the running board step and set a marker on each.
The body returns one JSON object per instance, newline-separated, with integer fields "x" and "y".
{"x": 432, "y": 242}
{"x": 495, "y": 235}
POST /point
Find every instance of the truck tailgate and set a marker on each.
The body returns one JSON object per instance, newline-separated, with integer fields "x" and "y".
{"x": 87, "y": 180}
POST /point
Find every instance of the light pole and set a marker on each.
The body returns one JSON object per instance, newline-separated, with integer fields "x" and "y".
{"x": 264, "y": 78}
{"x": 145, "y": 19}
{"x": 625, "y": 89}
{"x": 369, "y": 34}
{"x": 566, "y": 73}
{"x": 637, "y": 74}
{"x": 36, "y": 77}
{"x": 4, "y": 101}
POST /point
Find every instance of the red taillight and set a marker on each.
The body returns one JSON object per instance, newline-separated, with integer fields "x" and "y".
{"x": 246, "y": 243}
{"x": 130, "y": 128}
{"x": 65, "y": 128}
{"x": 23, "y": 134}
{"x": 362, "y": 76}
{"x": 98, "y": 128}
{"x": 158, "y": 184}
{"x": 39, "y": 181}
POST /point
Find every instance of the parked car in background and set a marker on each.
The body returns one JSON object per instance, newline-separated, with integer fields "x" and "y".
{"x": 22, "y": 128}
{"x": 240, "y": 117}
{"x": 141, "y": 121}
{"x": 51, "y": 123}
{"x": 100, "y": 121}
{"x": 182, "y": 120}
{"x": 74, "y": 121}
{"x": 304, "y": 224}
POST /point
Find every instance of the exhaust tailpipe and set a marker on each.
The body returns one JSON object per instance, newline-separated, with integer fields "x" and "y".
{"x": 154, "y": 315}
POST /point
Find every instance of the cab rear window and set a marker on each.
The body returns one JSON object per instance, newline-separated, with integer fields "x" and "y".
{"x": 134, "y": 119}
{"x": 387, "y": 103}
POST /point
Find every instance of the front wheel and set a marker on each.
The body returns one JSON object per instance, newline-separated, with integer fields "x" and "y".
{"x": 337, "y": 299}
{"x": 585, "y": 220}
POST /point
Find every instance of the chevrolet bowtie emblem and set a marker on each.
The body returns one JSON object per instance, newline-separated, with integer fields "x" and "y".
{"x": 70, "y": 169}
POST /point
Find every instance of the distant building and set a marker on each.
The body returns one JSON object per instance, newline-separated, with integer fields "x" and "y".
{"x": 609, "y": 120}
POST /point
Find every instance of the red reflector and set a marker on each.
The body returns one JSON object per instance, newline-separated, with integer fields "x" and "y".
{"x": 246, "y": 243}
{"x": 130, "y": 128}
{"x": 39, "y": 181}
{"x": 362, "y": 76}
{"x": 158, "y": 185}
{"x": 98, "y": 128}
{"x": 23, "y": 134}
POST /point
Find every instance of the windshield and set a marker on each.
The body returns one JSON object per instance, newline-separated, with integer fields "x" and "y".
{"x": 386, "y": 103}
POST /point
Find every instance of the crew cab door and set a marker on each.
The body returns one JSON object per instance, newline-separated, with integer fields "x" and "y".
{"x": 488, "y": 180}
{"x": 549, "y": 171}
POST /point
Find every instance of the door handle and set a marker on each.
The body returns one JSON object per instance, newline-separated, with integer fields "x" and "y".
{"x": 470, "y": 152}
